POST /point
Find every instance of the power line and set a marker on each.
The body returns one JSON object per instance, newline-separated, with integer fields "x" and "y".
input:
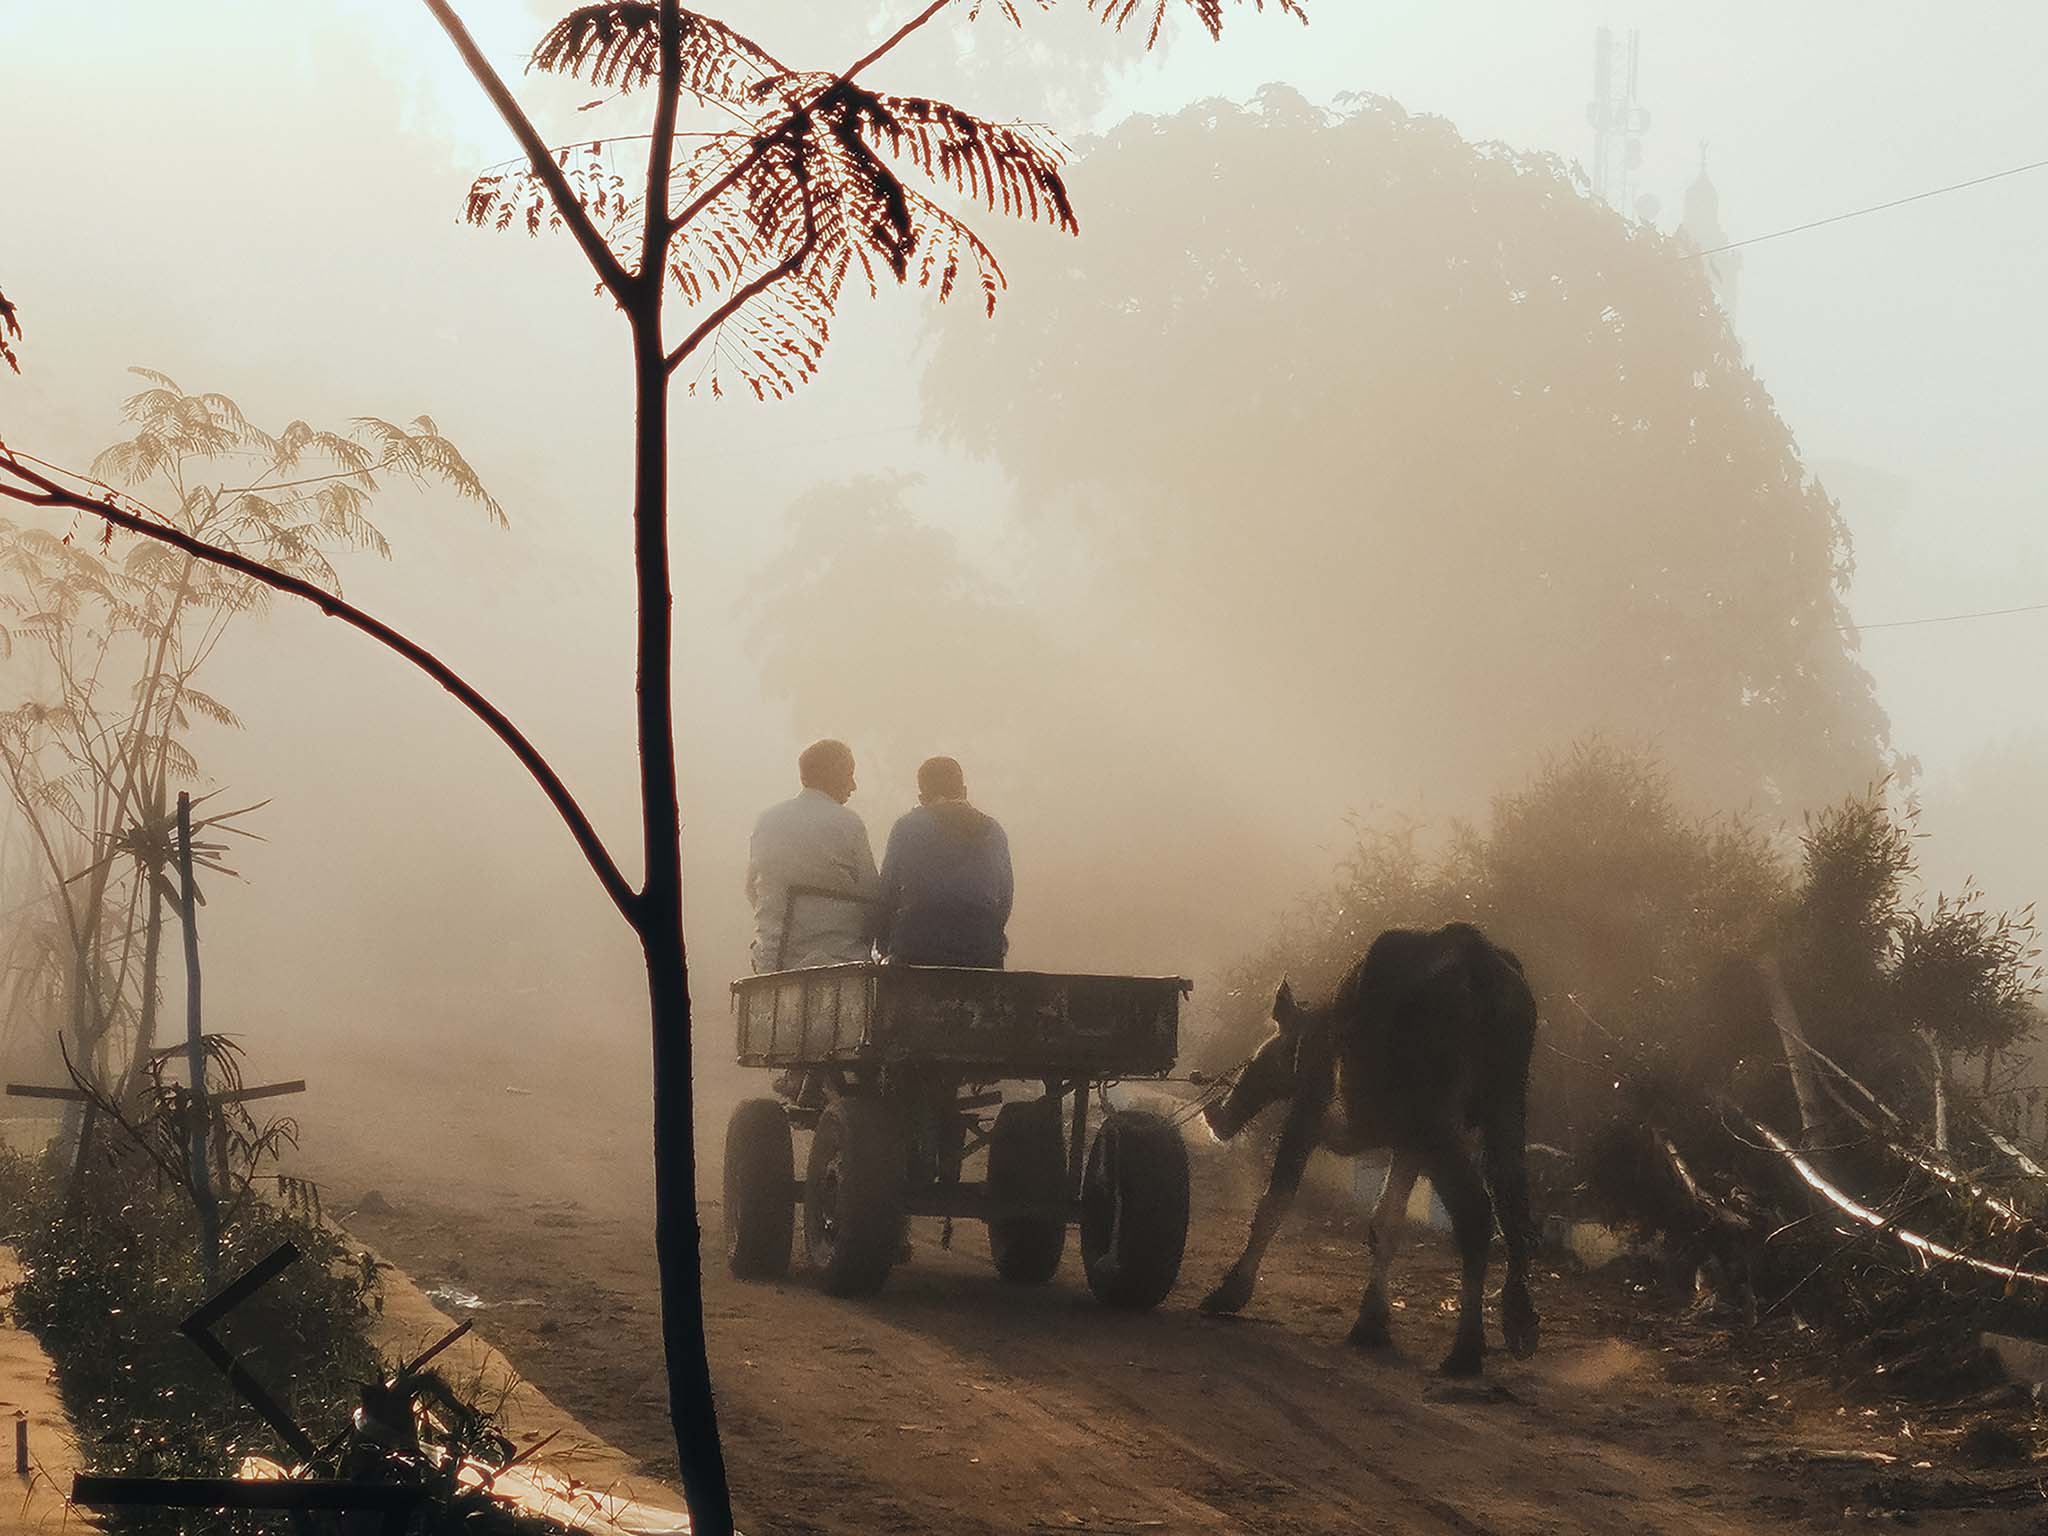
{"x": 1949, "y": 618}
{"x": 1897, "y": 202}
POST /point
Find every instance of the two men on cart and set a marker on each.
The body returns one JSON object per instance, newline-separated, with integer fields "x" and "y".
{"x": 941, "y": 897}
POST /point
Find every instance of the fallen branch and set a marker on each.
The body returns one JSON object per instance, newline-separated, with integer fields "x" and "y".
{"x": 1715, "y": 1207}
{"x": 1927, "y": 1248}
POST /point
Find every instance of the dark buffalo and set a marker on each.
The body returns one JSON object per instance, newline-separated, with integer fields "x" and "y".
{"x": 1427, "y": 1038}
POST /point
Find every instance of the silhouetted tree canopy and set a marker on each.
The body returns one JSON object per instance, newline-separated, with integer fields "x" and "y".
{"x": 1411, "y": 440}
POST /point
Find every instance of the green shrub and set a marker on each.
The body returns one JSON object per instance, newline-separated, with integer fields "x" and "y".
{"x": 1641, "y": 922}
{"x": 106, "y": 1286}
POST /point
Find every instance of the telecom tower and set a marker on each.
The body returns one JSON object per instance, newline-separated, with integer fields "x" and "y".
{"x": 1618, "y": 122}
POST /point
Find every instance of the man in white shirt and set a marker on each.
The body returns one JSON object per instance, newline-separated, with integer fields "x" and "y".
{"x": 810, "y": 867}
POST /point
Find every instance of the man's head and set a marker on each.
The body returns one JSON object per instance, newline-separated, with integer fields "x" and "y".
{"x": 1268, "y": 1077}
{"x": 940, "y": 778}
{"x": 827, "y": 766}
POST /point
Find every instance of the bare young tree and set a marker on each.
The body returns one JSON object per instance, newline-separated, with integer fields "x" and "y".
{"x": 804, "y": 180}
{"x": 115, "y": 647}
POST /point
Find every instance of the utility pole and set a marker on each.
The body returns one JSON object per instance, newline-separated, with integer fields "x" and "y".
{"x": 1617, "y": 120}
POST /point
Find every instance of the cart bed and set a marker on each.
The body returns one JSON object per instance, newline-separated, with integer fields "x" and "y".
{"x": 1017, "y": 1023}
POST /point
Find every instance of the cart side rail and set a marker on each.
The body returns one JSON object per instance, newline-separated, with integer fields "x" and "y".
{"x": 1010, "y": 1023}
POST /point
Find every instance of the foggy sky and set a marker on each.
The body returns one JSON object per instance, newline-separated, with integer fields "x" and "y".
{"x": 263, "y": 201}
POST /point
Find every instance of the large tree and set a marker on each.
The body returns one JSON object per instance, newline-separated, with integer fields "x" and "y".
{"x": 1410, "y": 442}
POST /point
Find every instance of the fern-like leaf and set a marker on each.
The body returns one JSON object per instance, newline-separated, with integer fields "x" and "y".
{"x": 619, "y": 45}
{"x": 769, "y": 346}
{"x": 1208, "y": 12}
{"x": 1007, "y": 9}
{"x": 519, "y": 199}
{"x": 1012, "y": 169}
{"x": 298, "y": 442}
{"x": 422, "y": 454}
{"x": 207, "y": 707}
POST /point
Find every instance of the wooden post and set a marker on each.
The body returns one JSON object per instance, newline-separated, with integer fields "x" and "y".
{"x": 74, "y": 1193}
{"x": 195, "y": 1050}
{"x": 75, "y": 1129}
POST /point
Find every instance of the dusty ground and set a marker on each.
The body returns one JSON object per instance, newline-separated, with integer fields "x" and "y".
{"x": 32, "y": 1502}
{"x": 955, "y": 1403}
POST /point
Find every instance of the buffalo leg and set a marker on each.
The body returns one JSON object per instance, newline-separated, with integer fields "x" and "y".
{"x": 1507, "y": 1171}
{"x": 1383, "y": 1240}
{"x": 1297, "y": 1141}
{"x": 1459, "y": 1187}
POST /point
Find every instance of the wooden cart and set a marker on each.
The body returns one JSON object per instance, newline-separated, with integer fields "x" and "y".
{"x": 901, "y": 1074}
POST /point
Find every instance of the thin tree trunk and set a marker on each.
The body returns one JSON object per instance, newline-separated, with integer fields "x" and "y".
{"x": 145, "y": 1028}
{"x": 71, "y": 1127}
{"x": 195, "y": 1052}
{"x": 677, "y": 1241}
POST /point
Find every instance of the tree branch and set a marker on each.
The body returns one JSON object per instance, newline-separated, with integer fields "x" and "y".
{"x": 894, "y": 38}
{"x": 606, "y": 263}
{"x": 739, "y": 299}
{"x": 661, "y": 152}
{"x": 48, "y": 493}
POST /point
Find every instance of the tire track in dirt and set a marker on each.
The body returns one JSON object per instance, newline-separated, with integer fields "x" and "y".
{"x": 1384, "y": 1443}
{"x": 1145, "y": 1386}
{"x": 1270, "y": 1428}
{"x": 994, "y": 1450}
{"x": 955, "y": 1402}
{"x": 1523, "y": 1492}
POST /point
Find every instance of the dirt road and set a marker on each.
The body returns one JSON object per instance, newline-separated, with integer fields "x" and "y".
{"x": 956, "y": 1403}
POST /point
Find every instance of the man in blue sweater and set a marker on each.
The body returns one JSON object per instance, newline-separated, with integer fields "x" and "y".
{"x": 946, "y": 883}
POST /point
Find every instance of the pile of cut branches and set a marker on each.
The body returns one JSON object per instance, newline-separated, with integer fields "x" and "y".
{"x": 1854, "y": 1222}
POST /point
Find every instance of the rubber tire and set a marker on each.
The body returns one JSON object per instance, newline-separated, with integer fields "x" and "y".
{"x": 853, "y": 1197}
{"x": 1134, "y": 1210}
{"x": 760, "y": 1191}
{"x": 1027, "y": 1160}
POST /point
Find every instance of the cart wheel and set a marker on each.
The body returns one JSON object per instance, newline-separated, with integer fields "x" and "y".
{"x": 1134, "y": 1209}
{"x": 853, "y": 1197}
{"x": 1027, "y": 1162}
{"x": 760, "y": 1191}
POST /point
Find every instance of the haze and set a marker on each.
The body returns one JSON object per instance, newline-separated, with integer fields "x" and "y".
{"x": 263, "y": 201}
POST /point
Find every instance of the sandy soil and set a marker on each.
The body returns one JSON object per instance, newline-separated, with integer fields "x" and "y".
{"x": 956, "y": 1403}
